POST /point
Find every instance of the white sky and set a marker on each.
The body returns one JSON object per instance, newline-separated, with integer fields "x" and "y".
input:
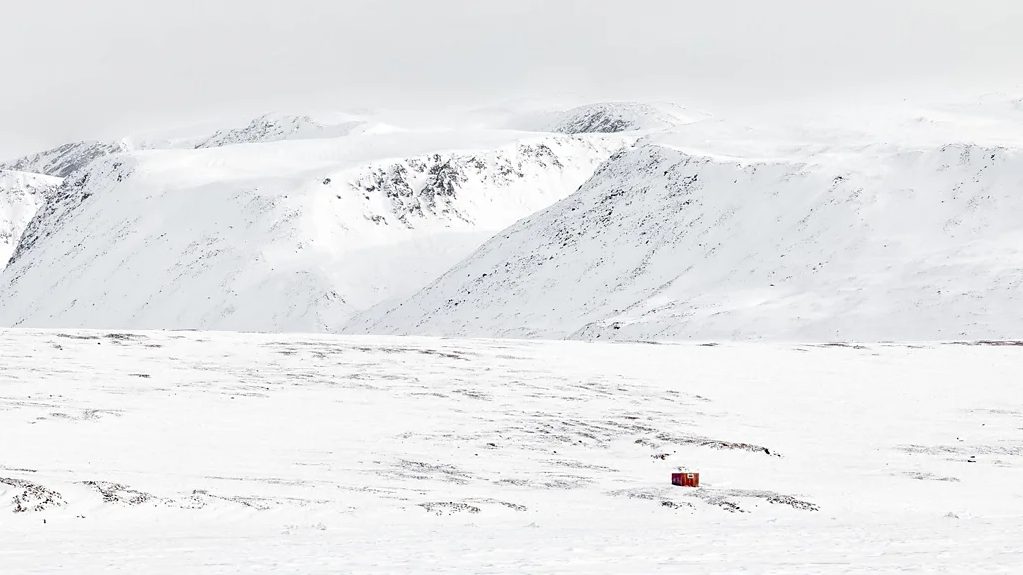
{"x": 77, "y": 69}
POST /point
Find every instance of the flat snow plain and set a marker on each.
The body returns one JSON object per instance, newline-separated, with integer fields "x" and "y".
{"x": 201, "y": 452}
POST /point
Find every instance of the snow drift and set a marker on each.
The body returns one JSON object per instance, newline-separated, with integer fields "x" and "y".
{"x": 660, "y": 244}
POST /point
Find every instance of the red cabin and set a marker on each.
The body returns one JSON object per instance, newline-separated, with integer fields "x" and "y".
{"x": 685, "y": 479}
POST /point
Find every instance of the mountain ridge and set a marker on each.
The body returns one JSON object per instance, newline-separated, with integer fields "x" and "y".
{"x": 278, "y": 236}
{"x": 603, "y": 117}
{"x": 661, "y": 244}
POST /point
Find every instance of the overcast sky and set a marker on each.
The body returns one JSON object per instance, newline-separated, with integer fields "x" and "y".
{"x": 76, "y": 69}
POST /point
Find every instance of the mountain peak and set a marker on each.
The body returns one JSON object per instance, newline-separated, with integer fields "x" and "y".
{"x": 276, "y": 127}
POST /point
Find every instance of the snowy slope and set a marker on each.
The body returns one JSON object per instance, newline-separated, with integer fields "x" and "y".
{"x": 283, "y": 236}
{"x": 169, "y": 453}
{"x": 21, "y": 195}
{"x": 64, "y": 160}
{"x": 866, "y": 245}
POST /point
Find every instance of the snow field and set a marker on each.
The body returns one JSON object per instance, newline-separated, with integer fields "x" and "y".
{"x": 213, "y": 452}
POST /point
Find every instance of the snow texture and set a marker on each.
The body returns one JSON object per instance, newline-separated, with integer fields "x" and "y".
{"x": 208, "y": 453}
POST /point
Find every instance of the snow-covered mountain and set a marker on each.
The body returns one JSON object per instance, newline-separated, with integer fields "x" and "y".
{"x": 869, "y": 244}
{"x": 21, "y": 195}
{"x": 605, "y": 118}
{"x": 697, "y": 227}
{"x": 278, "y": 127}
{"x": 282, "y": 236}
{"x": 64, "y": 160}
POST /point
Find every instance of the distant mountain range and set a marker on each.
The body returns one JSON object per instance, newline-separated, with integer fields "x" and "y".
{"x": 287, "y": 224}
{"x": 619, "y": 220}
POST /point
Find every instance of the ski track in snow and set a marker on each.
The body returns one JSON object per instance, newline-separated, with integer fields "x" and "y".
{"x": 204, "y": 452}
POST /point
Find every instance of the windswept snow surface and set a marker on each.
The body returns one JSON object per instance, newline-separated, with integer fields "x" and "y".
{"x": 193, "y": 452}
{"x": 21, "y": 195}
{"x": 807, "y": 242}
{"x": 279, "y": 236}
